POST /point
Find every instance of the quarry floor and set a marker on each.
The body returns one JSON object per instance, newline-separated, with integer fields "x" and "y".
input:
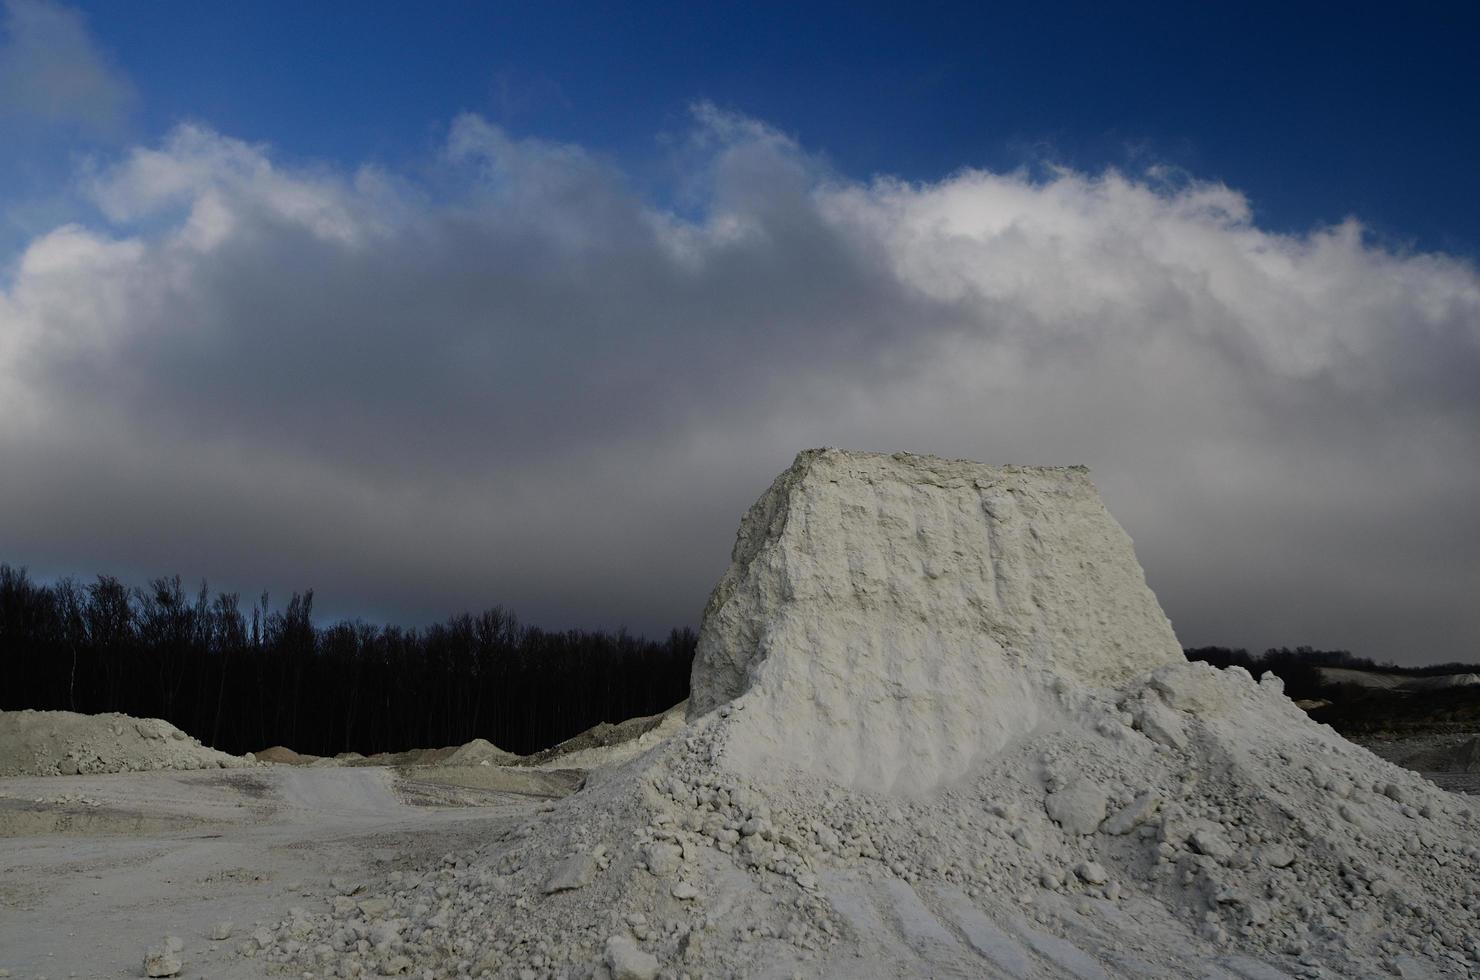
{"x": 1396, "y": 748}
{"x": 95, "y": 869}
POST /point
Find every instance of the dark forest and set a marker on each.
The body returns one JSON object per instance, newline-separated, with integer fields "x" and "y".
{"x": 241, "y": 681}
{"x": 245, "y": 680}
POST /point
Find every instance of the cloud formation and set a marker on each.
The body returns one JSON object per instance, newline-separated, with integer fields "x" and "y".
{"x": 518, "y": 380}
{"x": 51, "y": 70}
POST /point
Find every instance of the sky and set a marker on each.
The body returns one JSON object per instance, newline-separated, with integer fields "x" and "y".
{"x": 435, "y": 307}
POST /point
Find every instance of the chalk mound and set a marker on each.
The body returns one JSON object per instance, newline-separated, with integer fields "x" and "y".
{"x": 941, "y": 728}
{"x": 63, "y": 743}
{"x": 606, "y": 744}
{"x": 479, "y": 752}
{"x": 281, "y": 755}
{"x": 891, "y": 618}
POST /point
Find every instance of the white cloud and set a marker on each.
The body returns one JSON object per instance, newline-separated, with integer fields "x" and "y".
{"x": 51, "y": 70}
{"x": 534, "y": 386}
{"x": 213, "y": 179}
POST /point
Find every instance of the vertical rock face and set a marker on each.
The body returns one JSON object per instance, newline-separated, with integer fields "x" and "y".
{"x": 887, "y": 619}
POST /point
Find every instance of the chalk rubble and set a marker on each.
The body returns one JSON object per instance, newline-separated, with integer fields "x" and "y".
{"x": 164, "y": 960}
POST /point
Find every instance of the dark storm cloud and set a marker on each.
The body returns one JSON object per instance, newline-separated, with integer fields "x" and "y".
{"x": 521, "y": 381}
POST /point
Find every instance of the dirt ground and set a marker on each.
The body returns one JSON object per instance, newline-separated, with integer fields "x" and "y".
{"x": 95, "y": 869}
{"x": 1414, "y": 750}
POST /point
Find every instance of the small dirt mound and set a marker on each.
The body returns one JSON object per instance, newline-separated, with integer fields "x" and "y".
{"x": 63, "y": 743}
{"x": 479, "y": 752}
{"x": 605, "y": 735}
{"x": 281, "y": 755}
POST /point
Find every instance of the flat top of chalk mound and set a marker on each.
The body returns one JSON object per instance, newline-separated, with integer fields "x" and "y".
{"x": 897, "y": 609}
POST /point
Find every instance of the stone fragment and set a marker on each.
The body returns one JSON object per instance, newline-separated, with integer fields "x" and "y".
{"x": 221, "y": 930}
{"x": 1078, "y": 807}
{"x": 1189, "y": 686}
{"x": 1208, "y": 841}
{"x": 1277, "y": 856}
{"x": 684, "y": 892}
{"x": 627, "y": 962}
{"x": 1132, "y": 815}
{"x": 162, "y": 961}
{"x": 574, "y": 872}
{"x": 1162, "y": 725}
{"x": 374, "y": 907}
{"x": 663, "y": 859}
{"x": 755, "y": 825}
{"x": 1092, "y": 872}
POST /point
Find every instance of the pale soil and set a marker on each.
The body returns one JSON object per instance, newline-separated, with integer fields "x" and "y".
{"x": 1437, "y": 757}
{"x": 550, "y": 783}
{"x": 124, "y": 860}
{"x": 104, "y": 866}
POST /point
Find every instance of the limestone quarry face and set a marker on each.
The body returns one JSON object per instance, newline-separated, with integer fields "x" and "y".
{"x": 890, "y": 618}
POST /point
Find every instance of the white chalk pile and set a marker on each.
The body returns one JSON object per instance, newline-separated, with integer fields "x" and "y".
{"x": 940, "y": 727}
{"x": 63, "y": 743}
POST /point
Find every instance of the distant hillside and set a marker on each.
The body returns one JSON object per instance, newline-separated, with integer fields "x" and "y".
{"x": 1401, "y": 683}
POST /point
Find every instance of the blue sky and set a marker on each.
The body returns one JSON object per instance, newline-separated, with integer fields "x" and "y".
{"x": 431, "y": 307}
{"x": 1316, "y": 112}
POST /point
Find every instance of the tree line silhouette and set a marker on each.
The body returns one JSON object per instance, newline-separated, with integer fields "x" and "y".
{"x": 245, "y": 680}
